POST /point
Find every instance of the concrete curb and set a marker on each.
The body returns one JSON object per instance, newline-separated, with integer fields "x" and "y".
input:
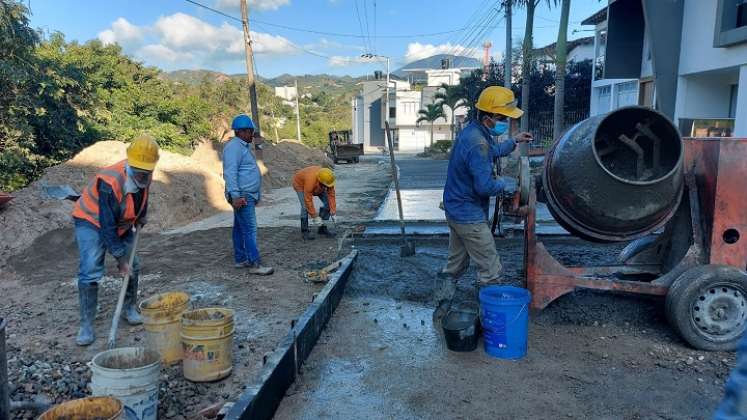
{"x": 261, "y": 399}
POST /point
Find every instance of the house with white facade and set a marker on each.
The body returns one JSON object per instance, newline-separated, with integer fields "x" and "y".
{"x": 578, "y": 50}
{"x": 287, "y": 94}
{"x": 685, "y": 58}
{"x": 370, "y": 108}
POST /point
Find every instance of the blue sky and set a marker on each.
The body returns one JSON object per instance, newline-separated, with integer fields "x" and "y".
{"x": 174, "y": 34}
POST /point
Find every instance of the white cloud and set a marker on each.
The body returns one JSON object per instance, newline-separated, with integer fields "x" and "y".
{"x": 416, "y": 51}
{"x": 181, "y": 39}
{"x": 160, "y": 53}
{"x": 123, "y": 33}
{"x": 253, "y": 4}
{"x": 343, "y": 61}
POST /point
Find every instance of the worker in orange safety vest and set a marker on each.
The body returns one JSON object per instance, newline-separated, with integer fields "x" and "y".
{"x": 113, "y": 203}
{"x": 310, "y": 182}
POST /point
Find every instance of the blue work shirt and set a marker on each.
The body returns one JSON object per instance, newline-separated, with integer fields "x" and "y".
{"x": 469, "y": 180}
{"x": 240, "y": 170}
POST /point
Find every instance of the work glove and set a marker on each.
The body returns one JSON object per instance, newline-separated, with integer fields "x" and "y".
{"x": 334, "y": 218}
{"x": 238, "y": 203}
{"x": 123, "y": 265}
{"x": 316, "y": 221}
{"x": 510, "y": 186}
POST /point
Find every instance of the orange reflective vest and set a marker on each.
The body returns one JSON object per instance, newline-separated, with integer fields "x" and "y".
{"x": 87, "y": 206}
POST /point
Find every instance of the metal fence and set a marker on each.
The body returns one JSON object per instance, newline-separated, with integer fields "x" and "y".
{"x": 541, "y": 125}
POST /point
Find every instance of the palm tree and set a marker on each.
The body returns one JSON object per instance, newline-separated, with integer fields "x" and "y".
{"x": 451, "y": 97}
{"x": 526, "y": 65}
{"x": 561, "y": 50}
{"x": 430, "y": 113}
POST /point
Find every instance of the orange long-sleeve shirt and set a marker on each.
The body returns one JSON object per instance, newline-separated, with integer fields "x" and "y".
{"x": 306, "y": 181}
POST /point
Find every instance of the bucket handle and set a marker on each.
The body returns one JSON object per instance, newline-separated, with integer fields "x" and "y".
{"x": 526, "y": 305}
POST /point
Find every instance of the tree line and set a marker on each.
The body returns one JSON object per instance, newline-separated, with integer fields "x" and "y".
{"x": 59, "y": 97}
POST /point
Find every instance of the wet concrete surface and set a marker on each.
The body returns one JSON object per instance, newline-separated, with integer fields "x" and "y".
{"x": 591, "y": 355}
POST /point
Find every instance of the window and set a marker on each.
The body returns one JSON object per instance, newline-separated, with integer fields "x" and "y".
{"x": 731, "y": 23}
{"x": 626, "y": 94}
{"x": 603, "y": 99}
{"x": 392, "y": 112}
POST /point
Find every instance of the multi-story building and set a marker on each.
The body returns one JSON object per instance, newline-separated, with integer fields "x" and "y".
{"x": 686, "y": 58}
{"x": 369, "y": 109}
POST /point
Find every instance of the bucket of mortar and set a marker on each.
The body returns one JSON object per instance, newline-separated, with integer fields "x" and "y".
{"x": 207, "y": 341}
{"x": 92, "y": 408}
{"x": 460, "y": 330}
{"x": 504, "y": 315}
{"x": 162, "y": 318}
{"x": 131, "y": 375}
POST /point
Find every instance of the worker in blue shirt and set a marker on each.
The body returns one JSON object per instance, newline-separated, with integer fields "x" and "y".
{"x": 243, "y": 188}
{"x": 470, "y": 184}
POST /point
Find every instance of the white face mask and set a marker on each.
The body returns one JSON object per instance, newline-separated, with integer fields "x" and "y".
{"x": 140, "y": 178}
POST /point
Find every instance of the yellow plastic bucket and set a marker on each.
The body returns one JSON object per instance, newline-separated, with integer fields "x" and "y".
{"x": 207, "y": 340}
{"x": 93, "y": 408}
{"x": 162, "y": 318}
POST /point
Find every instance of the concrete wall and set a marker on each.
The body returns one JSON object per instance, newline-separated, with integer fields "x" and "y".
{"x": 740, "y": 128}
{"x": 697, "y": 53}
{"x": 581, "y": 53}
{"x": 705, "y": 95}
{"x": 449, "y": 76}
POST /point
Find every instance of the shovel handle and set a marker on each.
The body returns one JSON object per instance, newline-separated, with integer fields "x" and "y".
{"x": 122, "y": 293}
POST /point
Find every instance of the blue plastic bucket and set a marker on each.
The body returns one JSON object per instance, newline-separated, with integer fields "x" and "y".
{"x": 504, "y": 315}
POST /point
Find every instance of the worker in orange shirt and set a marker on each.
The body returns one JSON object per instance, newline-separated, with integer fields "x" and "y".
{"x": 311, "y": 182}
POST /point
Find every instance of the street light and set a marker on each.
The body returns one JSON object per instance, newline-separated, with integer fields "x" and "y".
{"x": 370, "y": 56}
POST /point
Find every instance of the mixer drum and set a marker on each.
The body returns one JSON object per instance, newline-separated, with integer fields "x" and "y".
{"x": 615, "y": 177}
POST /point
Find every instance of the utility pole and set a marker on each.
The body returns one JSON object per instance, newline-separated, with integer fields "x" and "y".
{"x": 250, "y": 65}
{"x": 507, "y": 55}
{"x": 298, "y": 115}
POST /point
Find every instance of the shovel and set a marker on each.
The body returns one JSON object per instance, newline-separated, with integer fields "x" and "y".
{"x": 120, "y": 301}
{"x": 407, "y": 249}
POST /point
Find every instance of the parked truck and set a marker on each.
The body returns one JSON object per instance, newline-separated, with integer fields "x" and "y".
{"x": 341, "y": 147}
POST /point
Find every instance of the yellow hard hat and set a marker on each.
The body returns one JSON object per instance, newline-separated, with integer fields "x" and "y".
{"x": 143, "y": 153}
{"x": 498, "y": 100}
{"x": 326, "y": 177}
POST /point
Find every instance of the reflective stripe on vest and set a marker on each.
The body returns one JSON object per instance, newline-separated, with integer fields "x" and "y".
{"x": 87, "y": 206}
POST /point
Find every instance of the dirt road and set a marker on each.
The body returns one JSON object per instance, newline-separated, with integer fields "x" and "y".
{"x": 40, "y": 300}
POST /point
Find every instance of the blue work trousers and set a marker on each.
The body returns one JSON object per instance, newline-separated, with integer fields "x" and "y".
{"x": 92, "y": 252}
{"x": 734, "y": 404}
{"x": 245, "y": 234}
{"x": 305, "y": 211}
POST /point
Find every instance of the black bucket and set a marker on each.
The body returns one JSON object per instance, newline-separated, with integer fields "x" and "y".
{"x": 460, "y": 330}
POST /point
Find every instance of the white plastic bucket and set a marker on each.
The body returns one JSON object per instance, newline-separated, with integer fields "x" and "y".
{"x": 131, "y": 375}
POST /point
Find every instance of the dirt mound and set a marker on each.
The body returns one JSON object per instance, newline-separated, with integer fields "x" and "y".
{"x": 183, "y": 191}
{"x": 282, "y": 160}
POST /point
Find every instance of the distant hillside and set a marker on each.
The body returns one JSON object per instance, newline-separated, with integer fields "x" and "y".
{"x": 434, "y": 62}
{"x": 194, "y": 76}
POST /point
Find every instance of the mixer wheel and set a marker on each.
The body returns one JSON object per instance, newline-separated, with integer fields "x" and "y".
{"x": 707, "y": 305}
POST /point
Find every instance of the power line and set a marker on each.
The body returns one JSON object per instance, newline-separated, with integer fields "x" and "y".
{"x": 374, "y": 18}
{"x": 360, "y": 24}
{"x": 214, "y": 10}
{"x": 368, "y": 31}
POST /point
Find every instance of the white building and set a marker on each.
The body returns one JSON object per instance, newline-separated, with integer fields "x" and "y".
{"x": 369, "y": 109}
{"x": 578, "y": 50}
{"x": 686, "y": 58}
{"x": 287, "y": 94}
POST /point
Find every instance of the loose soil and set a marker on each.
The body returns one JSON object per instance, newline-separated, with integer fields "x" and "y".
{"x": 591, "y": 355}
{"x": 40, "y": 300}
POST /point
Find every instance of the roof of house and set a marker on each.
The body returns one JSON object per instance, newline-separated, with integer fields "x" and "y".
{"x": 573, "y": 43}
{"x": 598, "y": 17}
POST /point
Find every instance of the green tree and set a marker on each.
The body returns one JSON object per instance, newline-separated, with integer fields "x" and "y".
{"x": 560, "y": 63}
{"x": 527, "y": 60}
{"x": 430, "y": 113}
{"x": 451, "y": 97}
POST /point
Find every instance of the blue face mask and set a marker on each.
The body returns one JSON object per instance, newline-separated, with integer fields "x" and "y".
{"x": 500, "y": 128}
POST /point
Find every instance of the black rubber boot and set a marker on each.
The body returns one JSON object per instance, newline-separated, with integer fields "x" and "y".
{"x": 88, "y": 295}
{"x": 323, "y": 230}
{"x": 129, "y": 309}
{"x": 307, "y": 236}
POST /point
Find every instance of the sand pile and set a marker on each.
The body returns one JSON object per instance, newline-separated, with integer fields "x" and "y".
{"x": 183, "y": 191}
{"x": 282, "y": 160}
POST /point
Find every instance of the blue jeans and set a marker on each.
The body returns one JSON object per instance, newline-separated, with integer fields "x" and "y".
{"x": 245, "y": 234}
{"x": 304, "y": 211}
{"x": 734, "y": 404}
{"x": 92, "y": 252}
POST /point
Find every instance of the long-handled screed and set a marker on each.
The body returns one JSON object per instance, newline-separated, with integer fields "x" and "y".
{"x": 120, "y": 301}
{"x": 407, "y": 249}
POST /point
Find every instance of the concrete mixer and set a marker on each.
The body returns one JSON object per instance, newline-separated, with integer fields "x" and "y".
{"x": 628, "y": 176}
